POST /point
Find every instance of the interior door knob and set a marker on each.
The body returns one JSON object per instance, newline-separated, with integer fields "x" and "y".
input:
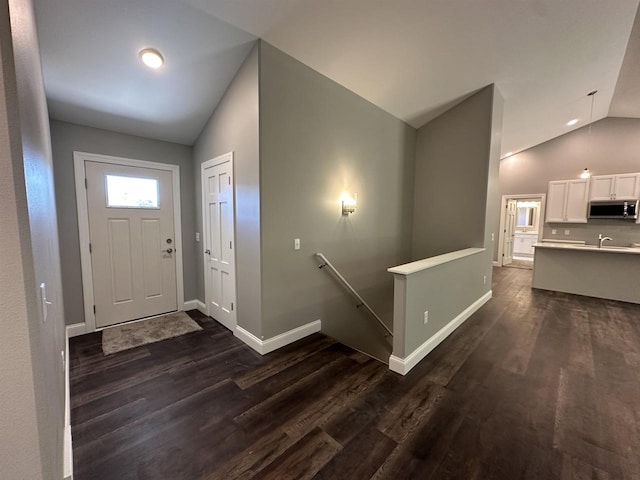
{"x": 168, "y": 250}
{"x": 207, "y": 251}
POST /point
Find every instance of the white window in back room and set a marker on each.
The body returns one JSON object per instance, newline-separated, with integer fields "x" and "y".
{"x": 132, "y": 192}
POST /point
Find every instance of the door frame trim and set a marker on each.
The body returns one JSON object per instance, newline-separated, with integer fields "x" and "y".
{"x": 220, "y": 159}
{"x": 79, "y": 158}
{"x": 503, "y": 206}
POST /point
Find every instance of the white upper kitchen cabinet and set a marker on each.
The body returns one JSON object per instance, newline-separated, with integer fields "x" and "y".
{"x": 615, "y": 187}
{"x": 567, "y": 201}
{"x": 627, "y": 187}
{"x": 602, "y": 187}
{"x": 556, "y": 201}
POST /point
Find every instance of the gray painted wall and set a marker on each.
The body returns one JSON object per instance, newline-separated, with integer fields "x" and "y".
{"x": 31, "y": 371}
{"x": 613, "y": 147}
{"x": 451, "y": 178}
{"x": 67, "y": 138}
{"x": 318, "y": 139}
{"x": 446, "y": 170}
{"x": 233, "y": 126}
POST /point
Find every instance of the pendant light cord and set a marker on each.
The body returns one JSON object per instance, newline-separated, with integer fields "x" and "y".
{"x": 593, "y": 99}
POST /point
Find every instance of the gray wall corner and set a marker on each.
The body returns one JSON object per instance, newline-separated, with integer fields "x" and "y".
{"x": 454, "y": 163}
{"x": 319, "y": 140}
{"x": 234, "y": 127}
{"x": 493, "y": 182}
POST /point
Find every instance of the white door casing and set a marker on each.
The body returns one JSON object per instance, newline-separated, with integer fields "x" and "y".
{"x": 541, "y": 197}
{"x": 169, "y": 265}
{"x": 218, "y": 223}
{"x": 509, "y": 232}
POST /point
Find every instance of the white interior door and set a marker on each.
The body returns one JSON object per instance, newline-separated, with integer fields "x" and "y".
{"x": 131, "y": 228}
{"x": 219, "y": 241}
{"x": 509, "y": 231}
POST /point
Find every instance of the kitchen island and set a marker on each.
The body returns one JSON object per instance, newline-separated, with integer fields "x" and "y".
{"x": 608, "y": 272}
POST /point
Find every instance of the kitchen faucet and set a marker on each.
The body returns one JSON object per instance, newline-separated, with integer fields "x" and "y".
{"x": 602, "y": 239}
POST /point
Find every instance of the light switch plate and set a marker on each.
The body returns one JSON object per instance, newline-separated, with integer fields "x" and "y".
{"x": 296, "y": 244}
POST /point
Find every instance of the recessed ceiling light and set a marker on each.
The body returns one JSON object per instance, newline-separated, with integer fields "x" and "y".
{"x": 571, "y": 123}
{"x": 151, "y": 58}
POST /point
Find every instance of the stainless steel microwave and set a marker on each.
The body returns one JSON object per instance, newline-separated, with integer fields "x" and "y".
{"x": 622, "y": 209}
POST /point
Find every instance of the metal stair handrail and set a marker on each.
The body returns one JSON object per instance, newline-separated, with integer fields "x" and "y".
{"x": 327, "y": 263}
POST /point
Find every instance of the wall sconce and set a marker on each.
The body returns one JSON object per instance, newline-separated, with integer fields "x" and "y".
{"x": 585, "y": 173}
{"x": 348, "y": 204}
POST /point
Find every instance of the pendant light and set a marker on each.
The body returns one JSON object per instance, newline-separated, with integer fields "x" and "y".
{"x": 586, "y": 173}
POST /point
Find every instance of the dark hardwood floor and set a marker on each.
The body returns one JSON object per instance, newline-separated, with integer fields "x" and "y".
{"x": 535, "y": 385}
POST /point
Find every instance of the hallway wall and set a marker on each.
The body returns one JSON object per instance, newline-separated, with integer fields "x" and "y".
{"x": 32, "y": 397}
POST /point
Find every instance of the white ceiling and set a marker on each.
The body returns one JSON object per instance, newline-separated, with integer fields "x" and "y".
{"x": 413, "y": 58}
{"x": 93, "y": 76}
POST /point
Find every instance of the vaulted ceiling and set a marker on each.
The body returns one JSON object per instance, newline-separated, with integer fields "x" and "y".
{"x": 412, "y": 58}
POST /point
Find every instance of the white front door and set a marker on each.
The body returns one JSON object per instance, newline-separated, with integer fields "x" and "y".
{"x": 219, "y": 241}
{"x": 131, "y": 229}
{"x": 509, "y": 232}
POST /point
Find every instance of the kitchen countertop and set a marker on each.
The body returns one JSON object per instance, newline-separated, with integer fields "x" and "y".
{"x": 588, "y": 248}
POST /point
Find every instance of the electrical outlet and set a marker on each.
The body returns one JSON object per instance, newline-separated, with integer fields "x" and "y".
{"x": 296, "y": 244}
{"x": 426, "y": 316}
{"x": 553, "y": 231}
{"x": 484, "y": 279}
{"x": 197, "y": 236}
{"x": 567, "y": 232}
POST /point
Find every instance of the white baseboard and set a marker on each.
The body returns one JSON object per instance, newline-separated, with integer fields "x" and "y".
{"x": 496, "y": 263}
{"x": 404, "y": 365}
{"x": 249, "y": 338}
{"x": 195, "y": 305}
{"x": 76, "y": 329}
{"x": 68, "y": 454}
{"x": 265, "y": 346}
{"x": 67, "y": 446}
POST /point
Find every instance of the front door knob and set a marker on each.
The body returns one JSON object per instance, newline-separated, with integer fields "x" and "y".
{"x": 168, "y": 250}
